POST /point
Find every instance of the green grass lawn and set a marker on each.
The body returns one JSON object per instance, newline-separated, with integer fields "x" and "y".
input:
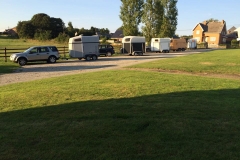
{"x": 121, "y": 114}
{"x": 218, "y": 62}
{"x": 7, "y": 67}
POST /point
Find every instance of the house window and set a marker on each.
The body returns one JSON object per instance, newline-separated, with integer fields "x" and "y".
{"x": 197, "y": 32}
{"x": 212, "y": 39}
{"x": 224, "y": 40}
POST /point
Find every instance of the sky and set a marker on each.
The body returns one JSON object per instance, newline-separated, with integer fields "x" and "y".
{"x": 105, "y": 13}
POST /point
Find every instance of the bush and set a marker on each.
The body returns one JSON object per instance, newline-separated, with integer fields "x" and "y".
{"x": 202, "y": 45}
{"x": 43, "y": 35}
{"x": 234, "y": 43}
{"x": 62, "y": 38}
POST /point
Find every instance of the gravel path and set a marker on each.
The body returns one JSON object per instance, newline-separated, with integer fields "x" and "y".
{"x": 68, "y": 67}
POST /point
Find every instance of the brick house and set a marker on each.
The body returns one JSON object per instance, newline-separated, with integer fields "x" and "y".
{"x": 214, "y": 33}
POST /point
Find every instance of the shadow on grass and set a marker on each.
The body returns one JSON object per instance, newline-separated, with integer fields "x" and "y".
{"x": 182, "y": 125}
{"x": 7, "y": 67}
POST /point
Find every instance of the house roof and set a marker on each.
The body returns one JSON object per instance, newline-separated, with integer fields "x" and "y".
{"x": 118, "y": 34}
{"x": 233, "y": 34}
{"x": 212, "y": 26}
{"x": 232, "y": 29}
{"x": 215, "y": 27}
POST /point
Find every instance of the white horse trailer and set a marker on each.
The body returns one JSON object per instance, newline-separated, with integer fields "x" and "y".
{"x": 160, "y": 45}
{"x": 192, "y": 44}
{"x": 133, "y": 45}
{"x": 84, "y": 47}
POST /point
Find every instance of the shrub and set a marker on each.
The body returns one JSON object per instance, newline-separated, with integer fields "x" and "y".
{"x": 43, "y": 35}
{"x": 62, "y": 38}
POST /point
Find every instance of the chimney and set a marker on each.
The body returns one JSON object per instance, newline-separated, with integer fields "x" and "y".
{"x": 205, "y": 22}
{"x": 223, "y": 22}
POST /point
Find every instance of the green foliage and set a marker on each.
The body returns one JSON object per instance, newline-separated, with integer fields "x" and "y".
{"x": 169, "y": 25}
{"x": 62, "y": 38}
{"x": 41, "y": 21}
{"x": 25, "y": 29}
{"x": 70, "y": 30}
{"x": 130, "y": 14}
{"x": 202, "y": 45}
{"x": 57, "y": 26}
{"x": 43, "y": 35}
{"x": 212, "y": 20}
{"x": 104, "y": 41}
{"x": 234, "y": 43}
{"x": 152, "y": 19}
{"x": 40, "y": 25}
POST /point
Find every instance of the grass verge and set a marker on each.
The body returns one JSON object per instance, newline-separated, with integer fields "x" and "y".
{"x": 121, "y": 115}
{"x": 217, "y": 62}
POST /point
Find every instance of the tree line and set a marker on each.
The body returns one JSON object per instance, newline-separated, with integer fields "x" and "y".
{"x": 43, "y": 27}
{"x": 158, "y": 18}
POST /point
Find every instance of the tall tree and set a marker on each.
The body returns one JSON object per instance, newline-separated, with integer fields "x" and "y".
{"x": 57, "y": 26}
{"x": 152, "y": 19}
{"x": 130, "y": 13}
{"x": 70, "y": 29}
{"x": 41, "y": 21}
{"x": 25, "y": 29}
{"x": 212, "y": 20}
{"x": 169, "y": 25}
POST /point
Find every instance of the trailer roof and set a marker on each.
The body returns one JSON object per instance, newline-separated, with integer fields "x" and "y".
{"x": 82, "y": 38}
{"x": 132, "y": 39}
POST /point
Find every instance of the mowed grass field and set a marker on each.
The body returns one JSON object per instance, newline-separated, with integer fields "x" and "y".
{"x": 128, "y": 114}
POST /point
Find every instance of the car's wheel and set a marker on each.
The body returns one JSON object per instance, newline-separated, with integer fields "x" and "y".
{"x": 109, "y": 54}
{"x": 22, "y": 61}
{"x": 88, "y": 58}
{"x": 52, "y": 59}
{"x": 94, "y": 57}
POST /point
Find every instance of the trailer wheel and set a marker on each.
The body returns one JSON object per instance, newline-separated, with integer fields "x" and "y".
{"x": 88, "y": 58}
{"x": 94, "y": 57}
{"x": 80, "y": 58}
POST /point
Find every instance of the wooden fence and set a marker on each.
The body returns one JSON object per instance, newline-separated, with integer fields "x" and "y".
{"x": 6, "y": 52}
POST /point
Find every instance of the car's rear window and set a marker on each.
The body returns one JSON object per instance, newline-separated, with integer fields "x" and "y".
{"x": 54, "y": 49}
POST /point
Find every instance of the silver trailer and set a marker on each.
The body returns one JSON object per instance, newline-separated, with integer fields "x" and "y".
{"x": 84, "y": 47}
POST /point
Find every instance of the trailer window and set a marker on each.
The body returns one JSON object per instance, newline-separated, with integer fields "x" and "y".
{"x": 79, "y": 39}
{"x": 156, "y": 40}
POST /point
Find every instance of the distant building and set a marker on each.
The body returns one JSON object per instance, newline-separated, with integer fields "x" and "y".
{"x": 118, "y": 35}
{"x": 11, "y": 32}
{"x": 214, "y": 33}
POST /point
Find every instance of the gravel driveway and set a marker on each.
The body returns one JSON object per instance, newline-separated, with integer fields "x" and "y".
{"x": 68, "y": 67}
